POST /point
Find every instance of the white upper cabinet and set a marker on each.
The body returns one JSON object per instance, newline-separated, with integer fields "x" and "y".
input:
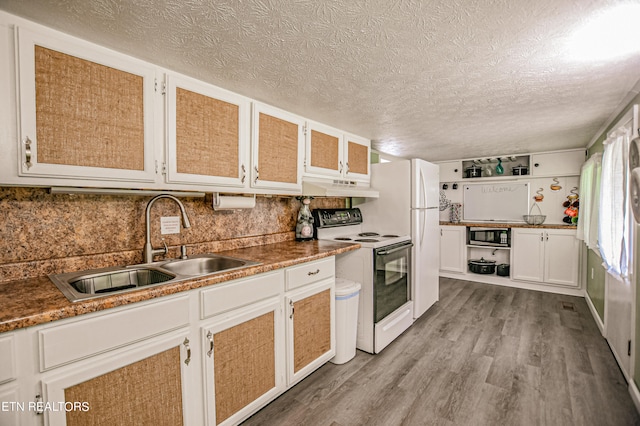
{"x": 84, "y": 111}
{"x": 331, "y": 153}
{"x": 560, "y": 163}
{"x": 88, "y": 116}
{"x": 324, "y": 151}
{"x": 277, "y": 140}
{"x": 207, "y": 134}
{"x": 357, "y": 153}
{"x": 450, "y": 171}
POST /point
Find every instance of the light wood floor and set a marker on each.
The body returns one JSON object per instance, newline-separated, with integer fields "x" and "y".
{"x": 483, "y": 355}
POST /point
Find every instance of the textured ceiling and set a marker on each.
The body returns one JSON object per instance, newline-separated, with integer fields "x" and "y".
{"x": 439, "y": 79}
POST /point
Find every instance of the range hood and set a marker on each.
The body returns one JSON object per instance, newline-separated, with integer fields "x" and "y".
{"x": 337, "y": 188}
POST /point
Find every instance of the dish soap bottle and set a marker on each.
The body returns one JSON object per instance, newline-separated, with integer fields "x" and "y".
{"x": 499, "y": 168}
{"x": 304, "y": 226}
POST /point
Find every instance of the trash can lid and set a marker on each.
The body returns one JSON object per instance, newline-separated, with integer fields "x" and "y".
{"x": 345, "y": 287}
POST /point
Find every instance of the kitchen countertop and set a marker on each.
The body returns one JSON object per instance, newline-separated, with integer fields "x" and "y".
{"x": 508, "y": 225}
{"x": 34, "y": 301}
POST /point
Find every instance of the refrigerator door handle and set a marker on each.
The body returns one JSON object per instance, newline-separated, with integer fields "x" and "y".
{"x": 423, "y": 189}
{"x": 424, "y": 220}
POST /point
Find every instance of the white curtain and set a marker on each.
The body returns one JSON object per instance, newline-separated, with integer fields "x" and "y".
{"x": 613, "y": 221}
{"x": 589, "y": 201}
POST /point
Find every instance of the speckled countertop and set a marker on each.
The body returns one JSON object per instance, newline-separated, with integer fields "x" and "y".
{"x": 509, "y": 225}
{"x": 29, "y": 302}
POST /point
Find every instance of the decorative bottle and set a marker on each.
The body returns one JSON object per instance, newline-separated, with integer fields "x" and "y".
{"x": 304, "y": 226}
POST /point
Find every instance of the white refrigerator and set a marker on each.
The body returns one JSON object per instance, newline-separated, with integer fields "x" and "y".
{"x": 408, "y": 205}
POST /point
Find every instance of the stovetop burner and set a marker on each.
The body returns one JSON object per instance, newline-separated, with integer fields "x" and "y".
{"x": 345, "y": 226}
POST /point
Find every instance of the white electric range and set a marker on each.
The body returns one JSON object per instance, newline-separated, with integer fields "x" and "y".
{"x": 382, "y": 266}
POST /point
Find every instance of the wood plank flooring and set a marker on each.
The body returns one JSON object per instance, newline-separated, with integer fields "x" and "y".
{"x": 483, "y": 355}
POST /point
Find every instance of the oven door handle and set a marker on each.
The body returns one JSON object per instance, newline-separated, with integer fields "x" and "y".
{"x": 386, "y": 252}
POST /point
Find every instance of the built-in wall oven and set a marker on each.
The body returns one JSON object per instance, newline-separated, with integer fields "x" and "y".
{"x": 382, "y": 266}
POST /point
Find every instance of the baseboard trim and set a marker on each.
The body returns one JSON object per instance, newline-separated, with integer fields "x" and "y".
{"x": 507, "y": 282}
{"x": 594, "y": 313}
{"x": 635, "y": 394}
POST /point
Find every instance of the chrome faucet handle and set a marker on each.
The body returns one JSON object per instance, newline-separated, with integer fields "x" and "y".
{"x": 166, "y": 249}
{"x": 183, "y": 252}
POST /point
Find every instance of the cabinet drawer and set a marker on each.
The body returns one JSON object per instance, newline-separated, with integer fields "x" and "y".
{"x": 83, "y": 338}
{"x": 7, "y": 359}
{"x": 226, "y": 297}
{"x": 307, "y": 273}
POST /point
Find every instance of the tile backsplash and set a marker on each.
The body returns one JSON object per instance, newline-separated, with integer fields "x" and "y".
{"x": 45, "y": 233}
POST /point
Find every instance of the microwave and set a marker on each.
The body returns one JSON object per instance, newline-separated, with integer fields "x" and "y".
{"x": 495, "y": 237}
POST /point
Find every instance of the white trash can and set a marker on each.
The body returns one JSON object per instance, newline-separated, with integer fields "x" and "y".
{"x": 347, "y": 297}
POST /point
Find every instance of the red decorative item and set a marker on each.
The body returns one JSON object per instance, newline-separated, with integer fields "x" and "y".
{"x": 571, "y": 205}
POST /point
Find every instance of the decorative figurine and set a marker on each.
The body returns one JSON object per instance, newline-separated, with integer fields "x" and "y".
{"x": 304, "y": 226}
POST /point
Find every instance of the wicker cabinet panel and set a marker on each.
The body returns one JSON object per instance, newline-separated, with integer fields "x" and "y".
{"x": 324, "y": 151}
{"x": 87, "y": 114}
{"x": 244, "y": 364}
{"x": 311, "y": 329}
{"x": 147, "y": 392}
{"x": 206, "y": 135}
{"x": 278, "y": 150}
{"x": 357, "y": 156}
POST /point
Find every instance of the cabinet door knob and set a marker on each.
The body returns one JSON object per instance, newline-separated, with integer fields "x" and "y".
{"x": 316, "y": 272}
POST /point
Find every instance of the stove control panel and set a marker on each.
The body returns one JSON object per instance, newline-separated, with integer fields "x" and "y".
{"x": 327, "y": 218}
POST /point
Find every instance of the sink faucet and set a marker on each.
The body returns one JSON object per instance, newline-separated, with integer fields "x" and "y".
{"x": 148, "y": 252}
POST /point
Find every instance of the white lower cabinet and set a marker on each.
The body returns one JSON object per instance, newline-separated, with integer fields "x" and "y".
{"x": 242, "y": 334}
{"x": 207, "y": 356}
{"x": 310, "y": 329}
{"x": 310, "y": 310}
{"x": 140, "y": 385}
{"x": 9, "y": 411}
{"x": 549, "y": 256}
{"x": 453, "y": 249}
{"x": 125, "y": 367}
{"x": 243, "y": 361}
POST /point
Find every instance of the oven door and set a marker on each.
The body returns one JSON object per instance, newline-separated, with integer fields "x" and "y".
{"x": 392, "y": 266}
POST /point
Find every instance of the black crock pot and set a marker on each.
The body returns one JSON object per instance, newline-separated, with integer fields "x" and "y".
{"x": 503, "y": 270}
{"x": 482, "y": 266}
{"x": 520, "y": 170}
{"x": 473, "y": 171}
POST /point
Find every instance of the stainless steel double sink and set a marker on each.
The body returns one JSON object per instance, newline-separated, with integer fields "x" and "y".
{"x": 102, "y": 282}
